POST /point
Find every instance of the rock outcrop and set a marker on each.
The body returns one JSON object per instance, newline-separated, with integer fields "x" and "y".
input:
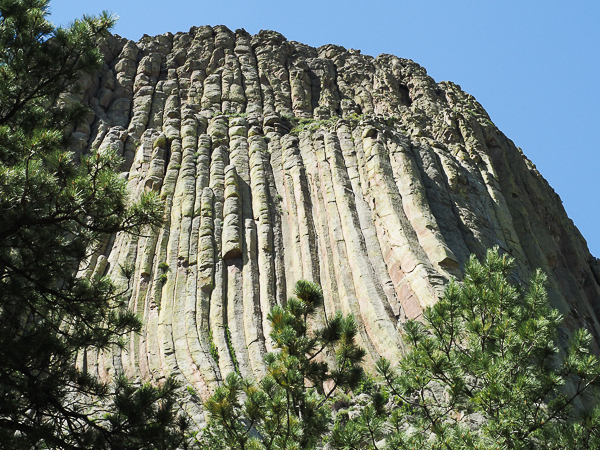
{"x": 277, "y": 162}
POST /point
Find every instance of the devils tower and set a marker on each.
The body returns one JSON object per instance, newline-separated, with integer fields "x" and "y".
{"x": 277, "y": 162}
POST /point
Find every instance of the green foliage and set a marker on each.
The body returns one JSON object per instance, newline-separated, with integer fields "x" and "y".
{"x": 354, "y": 119}
{"x": 368, "y": 385}
{"x": 54, "y": 210}
{"x": 485, "y": 371}
{"x": 163, "y": 267}
{"x": 235, "y": 114}
{"x": 142, "y": 418}
{"x": 191, "y": 391}
{"x": 305, "y": 124}
{"x": 230, "y": 114}
{"x": 287, "y": 408}
{"x": 365, "y": 430}
{"x": 214, "y": 352}
{"x": 231, "y": 349}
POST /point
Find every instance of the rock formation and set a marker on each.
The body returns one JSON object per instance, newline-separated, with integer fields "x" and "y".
{"x": 277, "y": 162}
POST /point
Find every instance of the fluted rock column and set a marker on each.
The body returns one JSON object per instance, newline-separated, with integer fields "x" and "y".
{"x": 276, "y": 162}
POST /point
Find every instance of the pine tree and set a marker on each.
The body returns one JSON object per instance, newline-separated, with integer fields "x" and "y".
{"x": 485, "y": 371}
{"x": 54, "y": 208}
{"x": 287, "y": 409}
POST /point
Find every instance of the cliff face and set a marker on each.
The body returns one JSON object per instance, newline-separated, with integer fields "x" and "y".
{"x": 277, "y": 162}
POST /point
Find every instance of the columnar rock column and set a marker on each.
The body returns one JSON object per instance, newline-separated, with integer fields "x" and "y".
{"x": 277, "y": 162}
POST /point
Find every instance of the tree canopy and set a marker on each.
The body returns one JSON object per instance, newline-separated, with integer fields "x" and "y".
{"x": 288, "y": 408}
{"x": 483, "y": 370}
{"x": 54, "y": 208}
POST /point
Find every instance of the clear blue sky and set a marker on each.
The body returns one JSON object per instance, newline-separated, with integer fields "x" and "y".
{"x": 533, "y": 65}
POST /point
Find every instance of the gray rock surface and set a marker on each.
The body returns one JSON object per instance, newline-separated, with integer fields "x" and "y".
{"x": 278, "y": 161}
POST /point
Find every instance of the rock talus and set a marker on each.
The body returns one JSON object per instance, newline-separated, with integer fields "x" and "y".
{"x": 277, "y": 162}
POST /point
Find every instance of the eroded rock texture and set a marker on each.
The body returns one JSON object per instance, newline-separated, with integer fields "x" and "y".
{"x": 278, "y": 161}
